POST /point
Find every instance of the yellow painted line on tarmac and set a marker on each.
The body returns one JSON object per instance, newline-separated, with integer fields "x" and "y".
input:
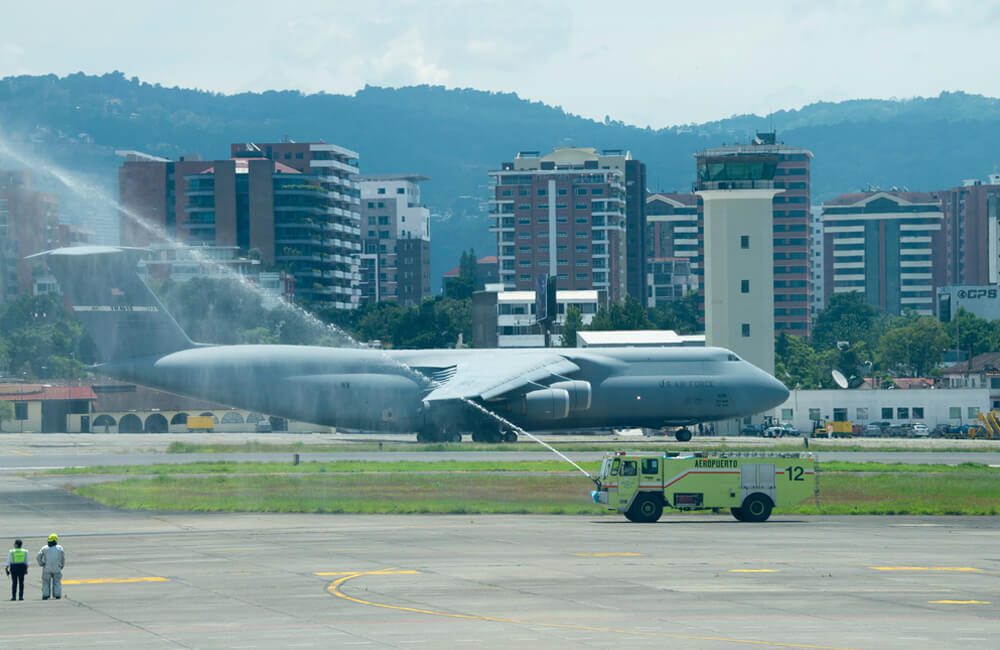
{"x": 753, "y": 571}
{"x": 956, "y": 569}
{"x": 334, "y": 589}
{"x": 115, "y": 581}
{"x": 621, "y": 554}
{"x": 378, "y": 572}
{"x": 959, "y": 602}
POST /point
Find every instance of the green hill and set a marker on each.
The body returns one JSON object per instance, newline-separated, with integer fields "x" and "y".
{"x": 456, "y": 136}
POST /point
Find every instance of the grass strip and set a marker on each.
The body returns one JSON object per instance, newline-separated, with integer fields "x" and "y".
{"x": 892, "y": 493}
{"x": 391, "y": 467}
{"x": 326, "y": 467}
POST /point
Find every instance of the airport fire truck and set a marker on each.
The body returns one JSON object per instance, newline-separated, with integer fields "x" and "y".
{"x": 750, "y": 484}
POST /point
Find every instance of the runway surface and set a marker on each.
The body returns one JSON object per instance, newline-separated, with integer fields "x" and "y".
{"x": 266, "y": 581}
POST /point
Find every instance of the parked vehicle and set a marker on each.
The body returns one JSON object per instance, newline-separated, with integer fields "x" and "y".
{"x": 920, "y": 429}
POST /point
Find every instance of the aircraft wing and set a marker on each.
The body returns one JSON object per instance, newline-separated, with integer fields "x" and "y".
{"x": 485, "y": 379}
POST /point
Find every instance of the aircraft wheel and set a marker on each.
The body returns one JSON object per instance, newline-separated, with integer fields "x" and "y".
{"x": 455, "y": 437}
{"x": 510, "y": 436}
{"x": 645, "y": 509}
{"x": 737, "y": 514}
{"x": 756, "y": 508}
{"x": 683, "y": 434}
{"x": 422, "y": 436}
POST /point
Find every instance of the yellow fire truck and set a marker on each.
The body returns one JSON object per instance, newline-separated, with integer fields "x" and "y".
{"x": 750, "y": 484}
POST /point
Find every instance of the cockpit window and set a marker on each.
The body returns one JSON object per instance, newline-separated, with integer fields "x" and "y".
{"x": 733, "y": 357}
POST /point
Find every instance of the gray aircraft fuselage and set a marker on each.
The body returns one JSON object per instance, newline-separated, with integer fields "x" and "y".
{"x": 377, "y": 390}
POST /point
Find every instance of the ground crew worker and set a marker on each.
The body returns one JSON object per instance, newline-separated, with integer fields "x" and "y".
{"x": 17, "y": 568}
{"x": 51, "y": 558}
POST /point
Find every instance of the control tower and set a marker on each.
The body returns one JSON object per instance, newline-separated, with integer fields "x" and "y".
{"x": 736, "y": 184}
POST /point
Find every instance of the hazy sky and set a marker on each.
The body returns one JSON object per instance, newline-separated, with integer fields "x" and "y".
{"x": 647, "y": 63}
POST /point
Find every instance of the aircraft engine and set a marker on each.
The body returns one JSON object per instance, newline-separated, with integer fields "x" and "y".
{"x": 579, "y": 393}
{"x": 547, "y": 404}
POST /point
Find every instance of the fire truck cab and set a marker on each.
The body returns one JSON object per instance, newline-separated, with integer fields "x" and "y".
{"x": 750, "y": 484}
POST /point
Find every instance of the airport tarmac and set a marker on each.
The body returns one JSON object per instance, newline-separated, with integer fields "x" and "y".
{"x": 163, "y": 580}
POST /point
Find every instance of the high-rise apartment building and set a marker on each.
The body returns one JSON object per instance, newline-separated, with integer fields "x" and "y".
{"x": 29, "y": 223}
{"x": 563, "y": 214}
{"x": 816, "y": 260}
{"x": 293, "y": 205}
{"x": 881, "y": 244}
{"x": 673, "y": 246}
{"x": 396, "y": 240}
{"x": 967, "y": 252}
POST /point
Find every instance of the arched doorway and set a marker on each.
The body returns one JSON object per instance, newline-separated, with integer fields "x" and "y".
{"x": 103, "y": 424}
{"x": 179, "y": 419}
{"x": 156, "y": 423}
{"x": 130, "y": 424}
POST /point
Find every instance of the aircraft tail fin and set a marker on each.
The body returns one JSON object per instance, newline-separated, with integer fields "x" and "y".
{"x": 113, "y": 303}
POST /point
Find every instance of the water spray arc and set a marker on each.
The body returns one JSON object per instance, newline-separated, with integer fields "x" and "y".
{"x": 88, "y": 192}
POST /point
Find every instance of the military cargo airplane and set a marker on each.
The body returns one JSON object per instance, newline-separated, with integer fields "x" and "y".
{"x": 430, "y": 392}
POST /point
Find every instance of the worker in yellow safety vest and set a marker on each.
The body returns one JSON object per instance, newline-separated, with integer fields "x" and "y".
{"x": 17, "y": 568}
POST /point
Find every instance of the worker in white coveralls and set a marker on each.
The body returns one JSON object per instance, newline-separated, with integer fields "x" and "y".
{"x": 51, "y": 558}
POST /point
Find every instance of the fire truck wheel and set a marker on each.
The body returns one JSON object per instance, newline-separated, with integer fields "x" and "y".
{"x": 683, "y": 434}
{"x": 645, "y": 509}
{"x": 756, "y": 508}
{"x": 737, "y": 513}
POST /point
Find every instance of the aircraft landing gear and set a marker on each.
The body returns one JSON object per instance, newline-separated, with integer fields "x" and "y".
{"x": 683, "y": 434}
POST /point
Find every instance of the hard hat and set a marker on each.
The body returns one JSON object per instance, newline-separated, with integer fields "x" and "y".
{"x": 53, "y": 537}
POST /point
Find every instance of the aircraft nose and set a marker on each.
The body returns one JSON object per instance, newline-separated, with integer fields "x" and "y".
{"x": 771, "y": 392}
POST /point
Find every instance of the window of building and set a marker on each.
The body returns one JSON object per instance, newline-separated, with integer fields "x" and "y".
{"x": 902, "y": 413}
{"x": 371, "y": 221}
{"x": 840, "y": 414}
{"x": 298, "y": 155}
{"x": 507, "y": 193}
{"x": 887, "y": 413}
{"x": 381, "y": 204}
{"x": 597, "y": 190}
{"x": 563, "y": 276}
{"x": 383, "y": 234}
{"x": 20, "y": 410}
{"x": 581, "y": 191}
{"x": 918, "y": 412}
{"x": 380, "y": 190}
{"x": 581, "y": 276}
{"x": 973, "y": 412}
{"x": 288, "y": 156}
{"x": 400, "y": 190}
{"x": 581, "y": 206}
{"x": 814, "y": 415}
{"x": 745, "y": 327}
{"x": 744, "y": 286}
{"x": 954, "y": 412}
{"x": 787, "y": 414}
{"x": 562, "y": 191}
{"x": 371, "y": 233}
{"x": 541, "y": 192}
{"x": 862, "y": 413}
{"x": 744, "y": 241}
{"x": 383, "y": 220}
{"x": 371, "y": 204}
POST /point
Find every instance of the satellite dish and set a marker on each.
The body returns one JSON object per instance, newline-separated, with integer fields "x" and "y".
{"x": 839, "y": 378}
